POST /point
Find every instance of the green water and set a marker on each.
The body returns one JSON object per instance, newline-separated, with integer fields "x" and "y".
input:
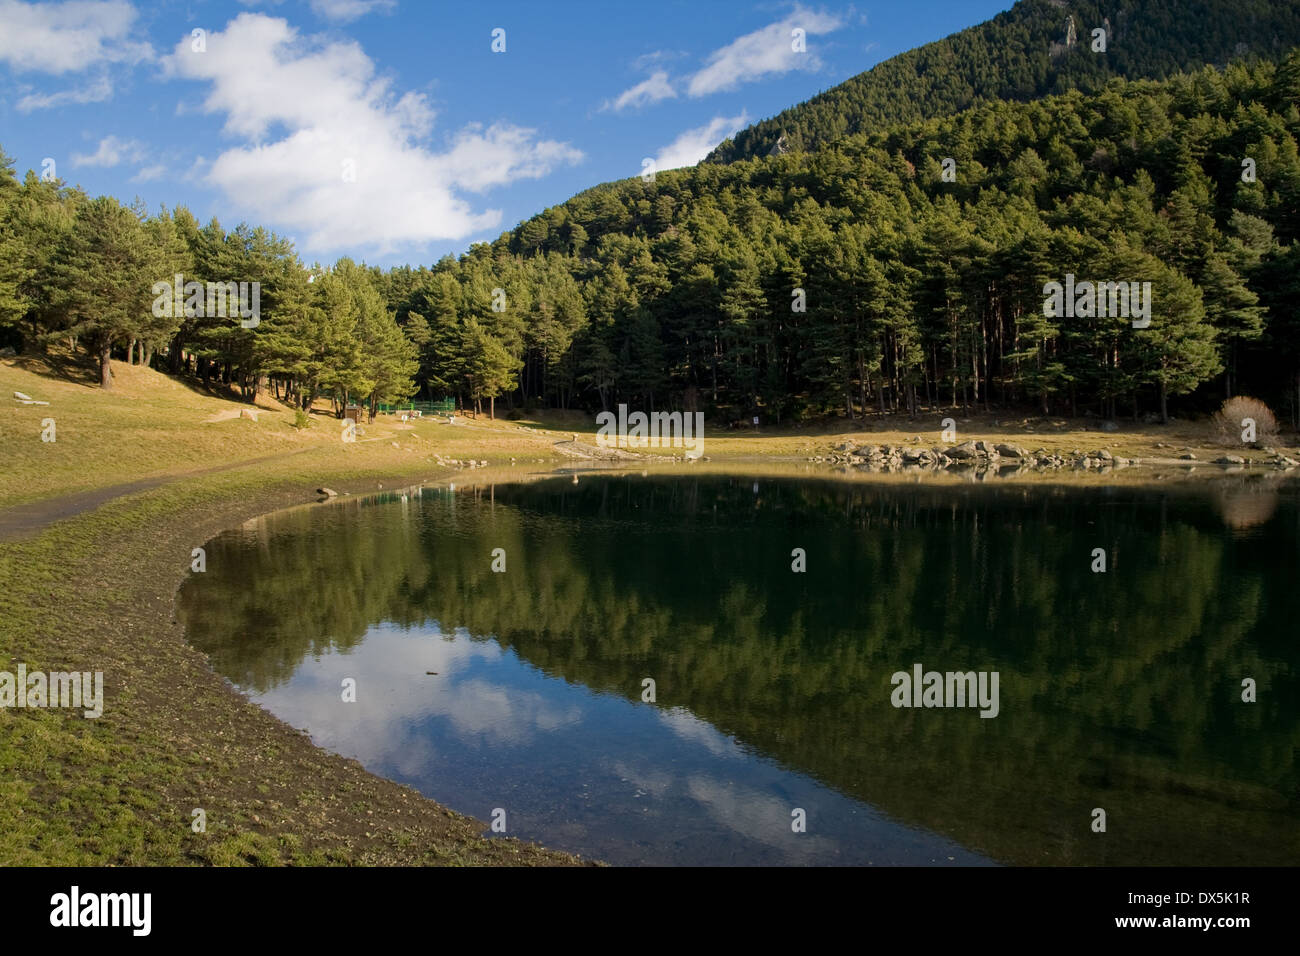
{"x": 1119, "y": 690}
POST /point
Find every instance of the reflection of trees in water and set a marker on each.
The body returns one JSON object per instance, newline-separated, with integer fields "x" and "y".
{"x": 1248, "y": 504}
{"x": 1118, "y": 690}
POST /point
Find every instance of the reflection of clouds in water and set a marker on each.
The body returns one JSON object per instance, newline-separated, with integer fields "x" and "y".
{"x": 690, "y": 728}
{"x": 396, "y": 697}
{"x": 505, "y": 714}
{"x": 648, "y": 781}
{"x": 756, "y": 815}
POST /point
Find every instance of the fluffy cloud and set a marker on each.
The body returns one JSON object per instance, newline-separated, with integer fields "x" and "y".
{"x": 333, "y": 152}
{"x": 68, "y": 37}
{"x": 769, "y": 50}
{"x": 694, "y": 144}
{"x": 343, "y": 11}
{"x": 97, "y": 91}
{"x": 648, "y": 91}
{"x": 149, "y": 173}
{"x": 111, "y": 152}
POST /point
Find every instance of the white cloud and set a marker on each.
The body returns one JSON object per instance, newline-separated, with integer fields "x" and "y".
{"x": 343, "y": 11}
{"x": 694, "y": 144}
{"x": 648, "y": 91}
{"x": 329, "y": 116}
{"x": 111, "y": 152}
{"x": 97, "y": 91}
{"x": 769, "y": 50}
{"x": 68, "y": 37}
{"x": 149, "y": 173}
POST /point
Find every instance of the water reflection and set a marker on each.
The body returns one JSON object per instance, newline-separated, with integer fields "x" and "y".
{"x": 1119, "y": 690}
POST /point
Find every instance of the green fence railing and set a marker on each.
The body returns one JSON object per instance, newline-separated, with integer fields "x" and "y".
{"x": 446, "y": 406}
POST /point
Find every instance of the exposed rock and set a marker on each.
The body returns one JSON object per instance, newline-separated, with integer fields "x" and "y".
{"x": 964, "y": 452}
{"x": 1010, "y": 451}
{"x": 1230, "y": 460}
{"x": 1109, "y": 427}
{"x": 1187, "y": 457}
{"x": 327, "y": 492}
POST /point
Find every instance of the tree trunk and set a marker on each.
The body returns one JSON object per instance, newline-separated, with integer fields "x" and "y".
{"x": 106, "y": 366}
{"x": 492, "y": 407}
{"x": 1164, "y": 404}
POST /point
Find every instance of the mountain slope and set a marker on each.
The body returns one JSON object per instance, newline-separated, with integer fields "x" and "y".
{"x": 1022, "y": 54}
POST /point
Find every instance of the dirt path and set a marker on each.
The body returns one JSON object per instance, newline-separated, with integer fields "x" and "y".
{"x": 19, "y": 521}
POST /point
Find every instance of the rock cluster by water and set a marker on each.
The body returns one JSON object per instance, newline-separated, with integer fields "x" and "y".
{"x": 1002, "y": 457}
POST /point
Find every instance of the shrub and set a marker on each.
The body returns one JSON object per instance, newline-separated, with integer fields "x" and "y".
{"x": 301, "y": 419}
{"x": 1229, "y": 420}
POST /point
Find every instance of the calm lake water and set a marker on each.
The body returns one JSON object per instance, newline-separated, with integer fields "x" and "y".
{"x": 1119, "y": 690}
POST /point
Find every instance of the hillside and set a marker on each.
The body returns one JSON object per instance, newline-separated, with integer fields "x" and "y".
{"x": 917, "y": 290}
{"x": 1022, "y": 55}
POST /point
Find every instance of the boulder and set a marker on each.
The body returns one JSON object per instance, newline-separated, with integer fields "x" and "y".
{"x": 964, "y": 452}
{"x": 1010, "y": 451}
{"x": 327, "y": 492}
{"x": 1109, "y": 427}
{"x": 1230, "y": 460}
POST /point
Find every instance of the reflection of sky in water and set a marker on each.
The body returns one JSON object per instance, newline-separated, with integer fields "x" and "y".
{"x": 590, "y": 773}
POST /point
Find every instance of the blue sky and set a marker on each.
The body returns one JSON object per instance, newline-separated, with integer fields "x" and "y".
{"x": 391, "y": 131}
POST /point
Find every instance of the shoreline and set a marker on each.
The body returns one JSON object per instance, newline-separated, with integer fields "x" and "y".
{"x": 119, "y": 568}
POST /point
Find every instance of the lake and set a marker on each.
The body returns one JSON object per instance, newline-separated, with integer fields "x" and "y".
{"x": 649, "y": 681}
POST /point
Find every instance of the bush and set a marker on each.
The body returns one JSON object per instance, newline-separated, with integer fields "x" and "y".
{"x": 301, "y": 419}
{"x": 1229, "y": 420}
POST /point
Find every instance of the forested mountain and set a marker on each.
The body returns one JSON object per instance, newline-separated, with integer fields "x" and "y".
{"x": 868, "y": 276}
{"x": 1024, "y": 54}
{"x": 920, "y": 290}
